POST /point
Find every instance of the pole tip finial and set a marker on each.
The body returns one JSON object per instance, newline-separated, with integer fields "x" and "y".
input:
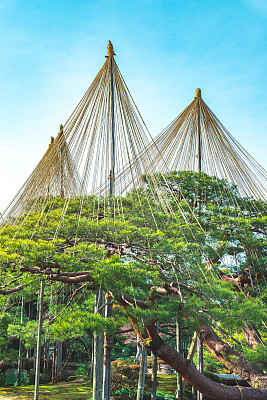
{"x": 60, "y": 128}
{"x": 198, "y": 93}
{"x": 110, "y": 51}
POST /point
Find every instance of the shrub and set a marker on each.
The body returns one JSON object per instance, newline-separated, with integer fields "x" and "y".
{"x": 2, "y": 380}
{"x": 30, "y": 378}
{"x": 124, "y": 380}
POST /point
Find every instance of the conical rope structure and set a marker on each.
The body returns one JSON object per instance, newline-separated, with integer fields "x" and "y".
{"x": 105, "y": 135}
{"x": 197, "y": 141}
{"x": 106, "y": 131}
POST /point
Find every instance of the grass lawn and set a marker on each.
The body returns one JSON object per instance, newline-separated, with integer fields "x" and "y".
{"x": 168, "y": 385}
{"x": 61, "y": 391}
{"x": 78, "y": 390}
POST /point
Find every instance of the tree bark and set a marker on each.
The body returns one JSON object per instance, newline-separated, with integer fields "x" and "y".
{"x": 252, "y": 336}
{"x": 57, "y": 361}
{"x": 231, "y": 358}
{"x": 184, "y": 367}
{"x": 46, "y": 356}
{"x": 204, "y": 385}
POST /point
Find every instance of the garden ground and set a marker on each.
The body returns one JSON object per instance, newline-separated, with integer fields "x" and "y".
{"x": 78, "y": 390}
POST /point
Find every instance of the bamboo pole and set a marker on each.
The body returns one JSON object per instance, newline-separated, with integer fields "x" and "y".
{"x": 38, "y": 353}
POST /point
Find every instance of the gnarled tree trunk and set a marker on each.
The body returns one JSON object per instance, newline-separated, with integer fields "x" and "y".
{"x": 204, "y": 385}
{"x": 231, "y": 358}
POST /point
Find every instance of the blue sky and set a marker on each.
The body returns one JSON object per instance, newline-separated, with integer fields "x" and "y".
{"x": 51, "y": 50}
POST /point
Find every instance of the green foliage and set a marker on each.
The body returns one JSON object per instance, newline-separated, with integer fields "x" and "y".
{"x": 258, "y": 355}
{"x": 211, "y": 365}
{"x": 83, "y": 370}
{"x": 5, "y": 350}
{"x": 124, "y": 379}
{"x": 27, "y": 332}
{"x": 2, "y": 380}
{"x": 30, "y": 379}
{"x": 139, "y": 252}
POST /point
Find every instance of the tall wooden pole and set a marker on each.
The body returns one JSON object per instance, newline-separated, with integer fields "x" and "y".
{"x": 38, "y": 354}
{"x": 107, "y": 353}
{"x": 98, "y": 349}
{"x": 179, "y": 393}
{"x": 29, "y": 350}
{"x": 191, "y": 352}
{"x": 199, "y": 343}
{"x": 20, "y": 344}
{"x": 198, "y": 97}
{"x": 154, "y": 377}
{"x": 108, "y": 311}
{"x": 198, "y": 127}
{"x": 61, "y": 144}
{"x": 92, "y": 361}
{"x": 110, "y": 55}
{"x": 200, "y": 363}
{"x": 142, "y": 374}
